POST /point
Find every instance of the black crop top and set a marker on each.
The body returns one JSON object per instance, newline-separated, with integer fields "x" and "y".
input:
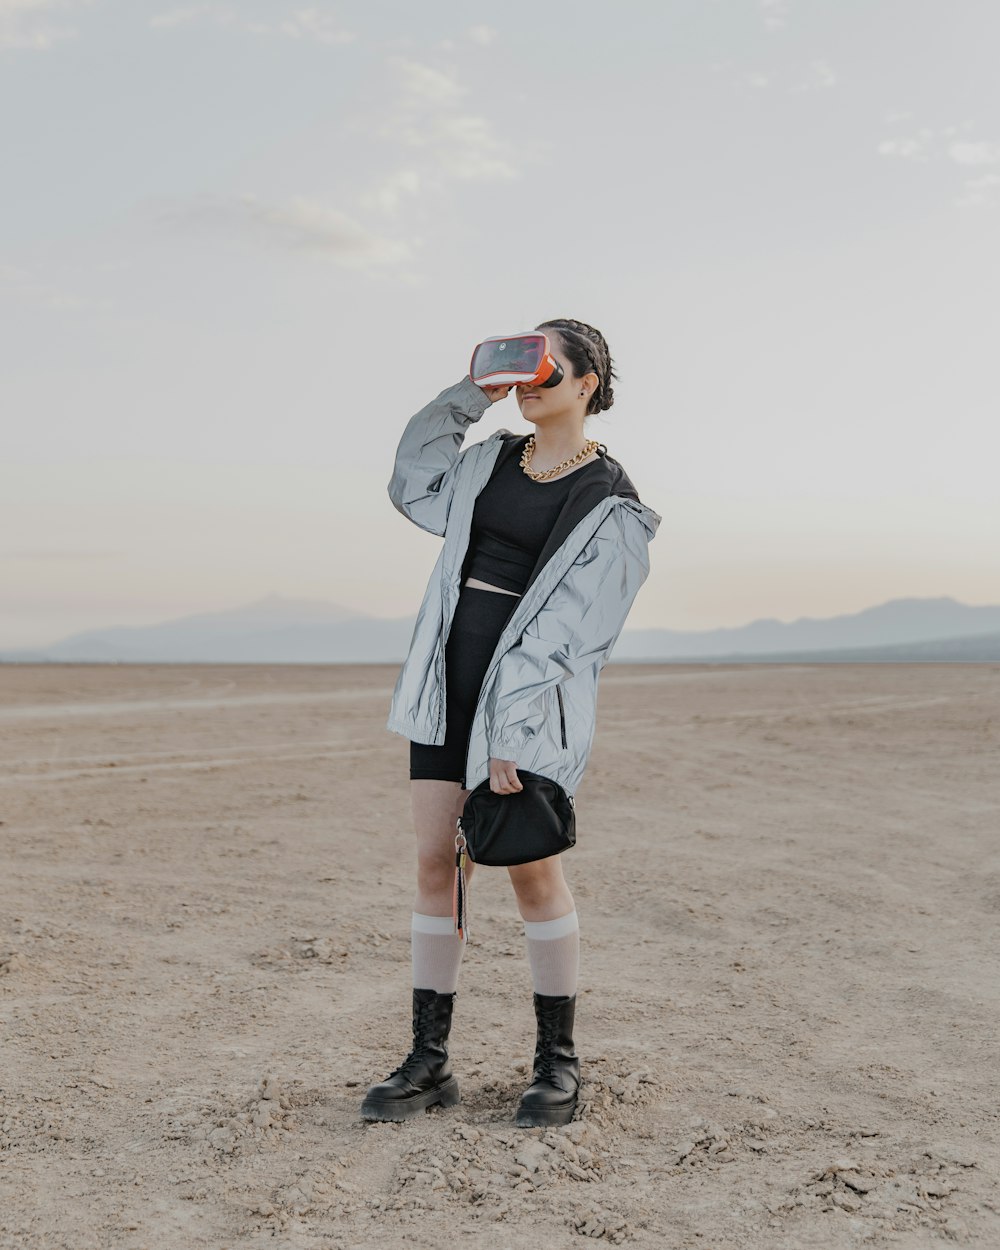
{"x": 512, "y": 518}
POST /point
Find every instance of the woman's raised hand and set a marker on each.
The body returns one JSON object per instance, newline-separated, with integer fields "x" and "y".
{"x": 503, "y": 777}
{"x": 493, "y": 393}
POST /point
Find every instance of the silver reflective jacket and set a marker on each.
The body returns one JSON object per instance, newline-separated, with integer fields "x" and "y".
{"x": 538, "y": 701}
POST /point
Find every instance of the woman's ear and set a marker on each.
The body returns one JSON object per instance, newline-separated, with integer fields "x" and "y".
{"x": 588, "y": 385}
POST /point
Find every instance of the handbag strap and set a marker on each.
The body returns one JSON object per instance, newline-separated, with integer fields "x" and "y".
{"x": 460, "y": 894}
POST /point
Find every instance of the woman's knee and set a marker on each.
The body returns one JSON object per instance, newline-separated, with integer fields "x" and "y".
{"x": 435, "y": 870}
{"x": 537, "y": 883}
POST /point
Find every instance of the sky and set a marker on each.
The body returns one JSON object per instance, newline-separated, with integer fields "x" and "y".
{"x": 241, "y": 244}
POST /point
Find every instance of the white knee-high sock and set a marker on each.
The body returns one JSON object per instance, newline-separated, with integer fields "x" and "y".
{"x": 436, "y": 953}
{"x": 554, "y": 954}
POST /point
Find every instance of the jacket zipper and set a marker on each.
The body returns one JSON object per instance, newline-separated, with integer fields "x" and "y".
{"x": 562, "y": 727}
{"x": 562, "y": 716}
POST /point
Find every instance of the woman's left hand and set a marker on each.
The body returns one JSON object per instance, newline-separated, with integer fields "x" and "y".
{"x": 503, "y": 777}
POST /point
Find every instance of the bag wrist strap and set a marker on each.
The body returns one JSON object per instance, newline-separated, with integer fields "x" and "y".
{"x": 460, "y": 894}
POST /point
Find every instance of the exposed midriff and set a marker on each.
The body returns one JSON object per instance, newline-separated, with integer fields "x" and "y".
{"x": 478, "y": 585}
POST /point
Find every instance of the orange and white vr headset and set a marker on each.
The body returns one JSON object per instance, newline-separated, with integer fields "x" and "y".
{"x": 515, "y": 360}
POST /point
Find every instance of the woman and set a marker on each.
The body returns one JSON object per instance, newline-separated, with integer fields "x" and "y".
{"x": 546, "y": 545}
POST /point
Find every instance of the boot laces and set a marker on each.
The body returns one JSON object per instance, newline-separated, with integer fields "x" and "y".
{"x": 425, "y": 1013}
{"x": 404, "y": 1067}
{"x": 545, "y": 1063}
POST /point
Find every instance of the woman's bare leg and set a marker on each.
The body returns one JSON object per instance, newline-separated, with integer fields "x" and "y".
{"x": 436, "y": 806}
{"x": 541, "y": 889}
{"x": 425, "y": 1077}
{"x": 551, "y": 927}
{"x": 435, "y": 946}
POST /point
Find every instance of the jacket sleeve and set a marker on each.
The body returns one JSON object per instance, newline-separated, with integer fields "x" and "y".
{"x": 427, "y": 458}
{"x": 577, "y": 626}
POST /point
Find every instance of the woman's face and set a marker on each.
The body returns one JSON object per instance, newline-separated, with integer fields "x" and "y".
{"x": 542, "y": 403}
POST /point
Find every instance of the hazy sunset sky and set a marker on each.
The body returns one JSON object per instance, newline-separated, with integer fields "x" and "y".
{"x": 240, "y": 244}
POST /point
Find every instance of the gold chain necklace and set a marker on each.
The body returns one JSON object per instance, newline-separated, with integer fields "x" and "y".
{"x": 529, "y": 450}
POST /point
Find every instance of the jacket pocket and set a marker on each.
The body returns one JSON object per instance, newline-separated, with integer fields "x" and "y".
{"x": 562, "y": 716}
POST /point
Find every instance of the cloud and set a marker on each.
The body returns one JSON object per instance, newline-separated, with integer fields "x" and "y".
{"x": 922, "y": 145}
{"x": 312, "y": 24}
{"x": 309, "y": 23}
{"x": 179, "y": 17}
{"x": 427, "y": 119}
{"x": 774, "y": 13}
{"x": 980, "y": 192}
{"x": 819, "y": 75}
{"x": 482, "y": 35}
{"x": 435, "y": 143}
{"x": 36, "y": 291}
{"x": 945, "y": 143}
{"x": 914, "y": 148}
{"x": 934, "y": 142}
{"x": 389, "y": 197}
{"x": 975, "y": 153}
{"x": 816, "y": 76}
{"x": 424, "y": 84}
{"x": 984, "y": 189}
{"x": 24, "y": 24}
{"x": 468, "y": 150}
{"x": 298, "y": 225}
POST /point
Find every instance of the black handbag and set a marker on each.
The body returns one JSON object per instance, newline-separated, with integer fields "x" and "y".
{"x": 532, "y": 823}
{"x": 502, "y": 829}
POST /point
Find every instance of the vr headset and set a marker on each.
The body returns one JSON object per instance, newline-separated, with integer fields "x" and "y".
{"x": 515, "y": 360}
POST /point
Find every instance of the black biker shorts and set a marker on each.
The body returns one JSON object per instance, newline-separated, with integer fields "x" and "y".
{"x": 480, "y": 617}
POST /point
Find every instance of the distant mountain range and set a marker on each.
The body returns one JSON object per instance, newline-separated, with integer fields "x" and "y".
{"x": 275, "y": 630}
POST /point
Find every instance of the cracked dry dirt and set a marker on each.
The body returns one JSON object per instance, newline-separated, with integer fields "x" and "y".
{"x": 788, "y": 881}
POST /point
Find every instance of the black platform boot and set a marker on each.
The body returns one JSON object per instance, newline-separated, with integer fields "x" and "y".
{"x": 551, "y": 1096}
{"x": 424, "y": 1077}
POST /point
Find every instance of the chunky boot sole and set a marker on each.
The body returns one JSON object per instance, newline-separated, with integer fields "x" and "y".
{"x": 544, "y": 1117}
{"x": 398, "y": 1109}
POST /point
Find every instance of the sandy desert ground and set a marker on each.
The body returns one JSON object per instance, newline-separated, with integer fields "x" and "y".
{"x": 788, "y": 881}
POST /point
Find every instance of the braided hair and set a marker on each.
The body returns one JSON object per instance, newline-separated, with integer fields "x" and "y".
{"x": 587, "y": 351}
